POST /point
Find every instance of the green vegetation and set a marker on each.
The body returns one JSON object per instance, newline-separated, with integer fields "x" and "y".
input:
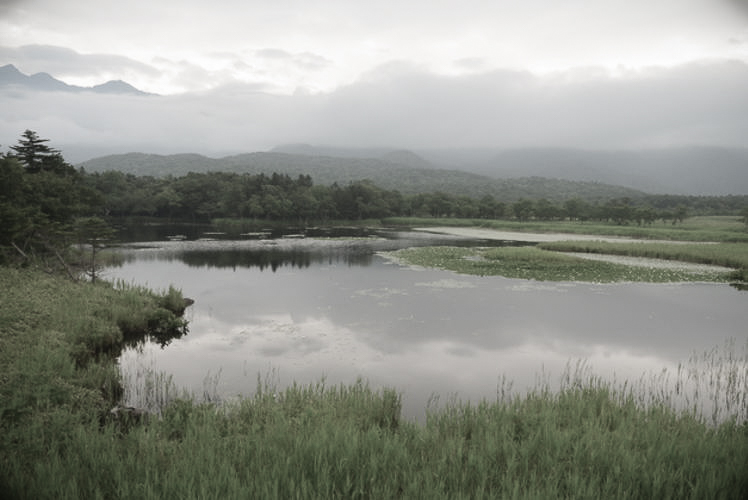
{"x": 734, "y": 255}
{"x": 387, "y": 173}
{"x": 42, "y": 197}
{"x": 58, "y": 343}
{"x": 538, "y": 264}
{"x": 279, "y": 197}
{"x": 690, "y": 243}
{"x": 587, "y": 439}
{"x": 59, "y": 339}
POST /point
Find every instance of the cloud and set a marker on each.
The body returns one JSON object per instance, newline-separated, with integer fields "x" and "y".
{"x": 740, "y": 6}
{"x": 405, "y": 106}
{"x": 470, "y": 63}
{"x": 73, "y": 67}
{"x": 9, "y": 5}
{"x": 303, "y": 60}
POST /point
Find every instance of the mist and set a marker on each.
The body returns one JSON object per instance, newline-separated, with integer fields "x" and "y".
{"x": 400, "y": 105}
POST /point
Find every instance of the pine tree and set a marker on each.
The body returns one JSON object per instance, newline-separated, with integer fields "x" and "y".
{"x": 36, "y": 156}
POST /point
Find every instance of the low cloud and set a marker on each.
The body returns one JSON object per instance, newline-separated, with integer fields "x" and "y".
{"x": 302, "y": 60}
{"x": 404, "y": 106}
{"x": 62, "y": 62}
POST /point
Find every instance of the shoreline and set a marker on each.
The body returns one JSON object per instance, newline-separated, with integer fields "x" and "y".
{"x": 500, "y": 235}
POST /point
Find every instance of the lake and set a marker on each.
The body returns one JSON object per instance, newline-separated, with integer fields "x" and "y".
{"x": 301, "y": 308}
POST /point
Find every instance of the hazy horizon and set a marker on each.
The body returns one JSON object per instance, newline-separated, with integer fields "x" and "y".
{"x": 248, "y": 76}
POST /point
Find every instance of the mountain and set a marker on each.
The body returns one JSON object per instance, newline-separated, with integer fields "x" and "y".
{"x": 337, "y": 152}
{"x": 708, "y": 171}
{"x": 10, "y": 76}
{"x": 142, "y": 164}
{"x": 116, "y": 87}
{"x": 400, "y": 156}
{"x": 385, "y": 173}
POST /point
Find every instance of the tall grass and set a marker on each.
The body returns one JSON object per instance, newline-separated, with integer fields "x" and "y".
{"x": 587, "y": 439}
{"x": 659, "y": 437}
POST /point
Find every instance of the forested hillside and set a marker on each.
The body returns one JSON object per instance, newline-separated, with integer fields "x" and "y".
{"x": 701, "y": 171}
{"x": 46, "y": 203}
{"x": 386, "y": 173}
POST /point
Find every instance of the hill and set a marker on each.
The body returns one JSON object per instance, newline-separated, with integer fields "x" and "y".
{"x": 708, "y": 171}
{"x": 385, "y": 172}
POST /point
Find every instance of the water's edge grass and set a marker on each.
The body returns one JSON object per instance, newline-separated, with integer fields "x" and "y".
{"x": 585, "y": 439}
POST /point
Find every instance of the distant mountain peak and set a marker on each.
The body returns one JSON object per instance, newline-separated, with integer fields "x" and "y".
{"x": 12, "y": 76}
{"x": 9, "y": 71}
{"x": 117, "y": 87}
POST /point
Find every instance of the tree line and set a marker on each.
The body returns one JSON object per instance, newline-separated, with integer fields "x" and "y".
{"x": 45, "y": 202}
{"x": 279, "y": 197}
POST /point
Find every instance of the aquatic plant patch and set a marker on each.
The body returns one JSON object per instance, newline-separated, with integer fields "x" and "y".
{"x": 544, "y": 265}
{"x": 730, "y": 255}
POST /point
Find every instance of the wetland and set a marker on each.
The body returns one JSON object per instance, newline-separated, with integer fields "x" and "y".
{"x": 301, "y": 307}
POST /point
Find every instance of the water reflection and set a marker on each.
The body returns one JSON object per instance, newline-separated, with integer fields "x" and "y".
{"x": 335, "y": 308}
{"x": 298, "y": 251}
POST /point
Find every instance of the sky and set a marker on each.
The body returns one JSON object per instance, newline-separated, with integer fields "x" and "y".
{"x": 421, "y": 73}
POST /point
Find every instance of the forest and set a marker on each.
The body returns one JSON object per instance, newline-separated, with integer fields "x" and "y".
{"x": 278, "y": 197}
{"x": 44, "y": 200}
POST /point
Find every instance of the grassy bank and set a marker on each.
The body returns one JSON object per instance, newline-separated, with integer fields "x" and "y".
{"x": 585, "y": 439}
{"x": 58, "y": 342}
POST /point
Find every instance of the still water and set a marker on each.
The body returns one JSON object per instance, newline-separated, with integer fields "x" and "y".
{"x": 304, "y": 309}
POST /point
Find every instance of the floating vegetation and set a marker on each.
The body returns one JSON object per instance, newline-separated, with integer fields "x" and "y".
{"x": 727, "y": 255}
{"x": 538, "y": 264}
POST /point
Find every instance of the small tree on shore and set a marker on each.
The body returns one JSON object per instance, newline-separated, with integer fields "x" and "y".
{"x": 93, "y": 234}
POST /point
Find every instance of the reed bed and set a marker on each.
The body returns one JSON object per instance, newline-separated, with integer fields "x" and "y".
{"x": 586, "y": 438}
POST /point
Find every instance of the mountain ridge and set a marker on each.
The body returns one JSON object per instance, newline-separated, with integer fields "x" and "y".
{"x": 12, "y": 76}
{"x": 692, "y": 170}
{"x": 683, "y": 170}
{"x": 383, "y": 172}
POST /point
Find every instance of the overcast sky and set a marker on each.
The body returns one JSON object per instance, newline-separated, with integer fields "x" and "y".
{"x": 402, "y": 73}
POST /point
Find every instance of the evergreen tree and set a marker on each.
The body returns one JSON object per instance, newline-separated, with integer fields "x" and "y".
{"x": 34, "y": 154}
{"x": 40, "y": 197}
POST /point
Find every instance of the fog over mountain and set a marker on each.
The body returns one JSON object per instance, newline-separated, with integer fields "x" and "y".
{"x": 404, "y": 107}
{"x": 13, "y": 79}
{"x": 401, "y": 106}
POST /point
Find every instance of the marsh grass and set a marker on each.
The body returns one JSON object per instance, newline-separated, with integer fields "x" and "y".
{"x": 659, "y": 437}
{"x": 733, "y": 255}
{"x": 536, "y": 263}
{"x": 585, "y": 438}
